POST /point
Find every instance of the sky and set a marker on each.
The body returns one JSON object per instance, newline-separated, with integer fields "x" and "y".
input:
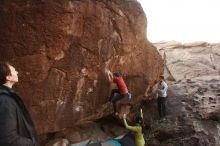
{"x": 182, "y": 20}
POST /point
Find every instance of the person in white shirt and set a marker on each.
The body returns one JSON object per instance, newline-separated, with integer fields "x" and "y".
{"x": 162, "y": 95}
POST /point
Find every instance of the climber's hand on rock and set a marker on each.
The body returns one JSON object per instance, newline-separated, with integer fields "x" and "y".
{"x": 109, "y": 74}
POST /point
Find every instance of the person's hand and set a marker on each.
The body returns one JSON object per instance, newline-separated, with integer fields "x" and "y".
{"x": 147, "y": 90}
{"x": 109, "y": 75}
{"x": 124, "y": 116}
{"x": 107, "y": 71}
{"x": 141, "y": 113}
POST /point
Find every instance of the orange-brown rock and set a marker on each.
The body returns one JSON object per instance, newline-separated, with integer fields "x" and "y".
{"x": 63, "y": 48}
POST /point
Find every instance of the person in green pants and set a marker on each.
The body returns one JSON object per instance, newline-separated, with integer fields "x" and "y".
{"x": 137, "y": 129}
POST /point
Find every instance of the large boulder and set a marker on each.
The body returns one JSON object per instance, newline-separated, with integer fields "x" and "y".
{"x": 62, "y": 50}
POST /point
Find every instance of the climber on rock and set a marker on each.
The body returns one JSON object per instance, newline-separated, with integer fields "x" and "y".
{"x": 122, "y": 90}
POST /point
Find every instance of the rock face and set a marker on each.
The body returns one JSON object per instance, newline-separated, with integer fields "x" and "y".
{"x": 62, "y": 50}
{"x": 188, "y": 61}
{"x": 193, "y": 74}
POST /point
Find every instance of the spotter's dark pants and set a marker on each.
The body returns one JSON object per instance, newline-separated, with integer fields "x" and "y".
{"x": 161, "y": 101}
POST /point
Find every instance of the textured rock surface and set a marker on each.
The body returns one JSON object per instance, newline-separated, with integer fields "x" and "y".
{"x": 63, "y": 48}
{"x": 187, "y": 61}
{"x": 193, "y": 75}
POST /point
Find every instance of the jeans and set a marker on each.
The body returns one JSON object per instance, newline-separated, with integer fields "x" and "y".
{"x": 114, "y": 98}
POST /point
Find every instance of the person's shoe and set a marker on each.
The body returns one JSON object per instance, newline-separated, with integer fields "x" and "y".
{"x": 163, "y": 119}
{"x": 109, "y": 98}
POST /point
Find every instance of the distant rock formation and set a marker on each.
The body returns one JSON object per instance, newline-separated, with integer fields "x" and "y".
{"x": 63, "y": 48}
{"x": 193, "y": 74}
{"x": 192, "y": 60}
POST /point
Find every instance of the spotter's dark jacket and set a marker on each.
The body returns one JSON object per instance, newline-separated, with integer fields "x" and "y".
{"x": 16, "y": 125}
